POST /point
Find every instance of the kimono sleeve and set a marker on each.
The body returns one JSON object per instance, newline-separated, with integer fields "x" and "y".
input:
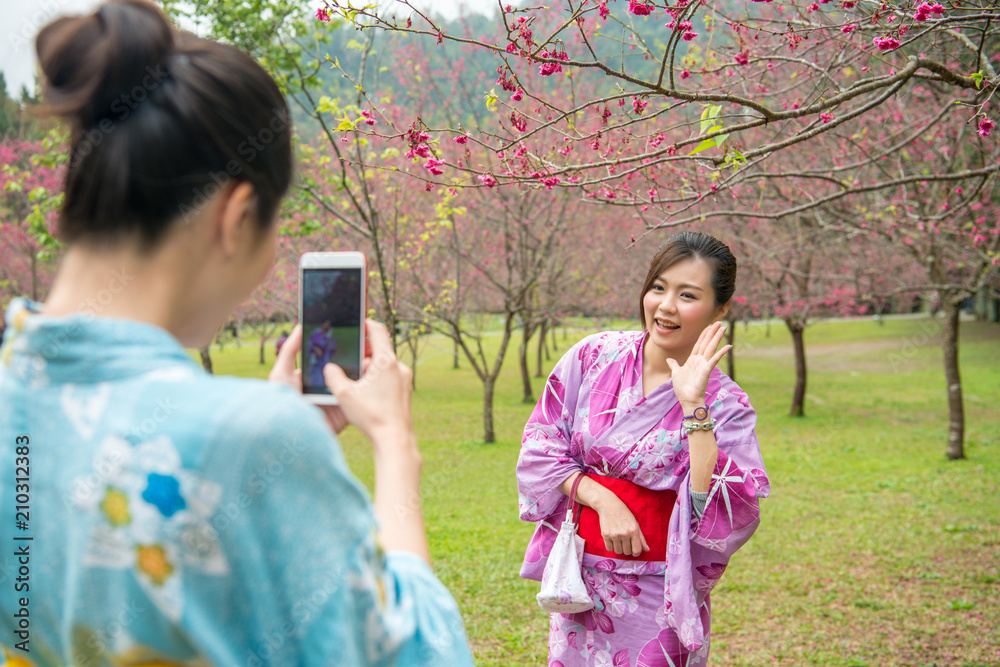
{"x": 317, "y": 587}
{"x": 699, "y": 550}
{"x": 547, "y": 453}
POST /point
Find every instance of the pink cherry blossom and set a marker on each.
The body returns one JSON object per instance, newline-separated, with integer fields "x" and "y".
{"x": 689, "y": 35}
{"x": 433, "y": 165}
{"x": 742, "y": 58}
{"x": 886, "y": 43}
{"x": 849, "y": 28}
{"x": 639, "y": 8}
{"x": 602, "y": 9}
{"x": 685, "y": 74}
{"x": 322, "y": 15}
{"x": 985, "y": 125}
{"x": 826, "y": 117}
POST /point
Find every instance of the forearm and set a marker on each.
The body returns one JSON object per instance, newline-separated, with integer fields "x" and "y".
{"x": 397, "y": 493}
{"x": 704, "y": 453}
{"x": 589, "y": 493}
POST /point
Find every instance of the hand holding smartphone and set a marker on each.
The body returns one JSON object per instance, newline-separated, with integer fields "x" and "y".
{"x": 332, "y": 309}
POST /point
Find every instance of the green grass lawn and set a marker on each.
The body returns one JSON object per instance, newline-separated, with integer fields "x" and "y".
{"x": 873, "y": 550}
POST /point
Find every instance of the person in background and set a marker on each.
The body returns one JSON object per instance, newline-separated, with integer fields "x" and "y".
{"x": 322, "y": 347}
{"x": 281, "y": 341}
{"x": 178, "y": 518}
{"x": 672, "y": 471}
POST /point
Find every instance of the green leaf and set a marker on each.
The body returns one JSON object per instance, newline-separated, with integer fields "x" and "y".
{"x": 491, "y": 100}
{"x": 978, "y": 78}
{"x": 708, "y": 116}
{"x": 346, "y": 124}
{"x": 707, "y": 143}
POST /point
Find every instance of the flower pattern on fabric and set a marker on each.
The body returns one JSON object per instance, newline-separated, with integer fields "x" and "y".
{"x": 150, "y": 515}
{"x": 115, "y": 507}
{"x": 607, "y": 426}
{"x": 152, "y": 560}
{"x": 163, "y": 491}
{"x": 11, "y": 659}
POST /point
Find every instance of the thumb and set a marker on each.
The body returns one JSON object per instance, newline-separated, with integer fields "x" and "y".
{"x": 335, "y": 377}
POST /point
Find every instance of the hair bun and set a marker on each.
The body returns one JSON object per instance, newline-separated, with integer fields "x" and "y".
{"x": 89, "y": 61}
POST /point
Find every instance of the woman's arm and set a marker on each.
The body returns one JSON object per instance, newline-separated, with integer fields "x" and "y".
{"x": 379, "y": 405}
{"x": 690, "y": 382}
{"x": 619, "y": 528}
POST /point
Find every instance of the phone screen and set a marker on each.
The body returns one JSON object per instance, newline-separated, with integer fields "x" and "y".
{"x": 331, "y": 325}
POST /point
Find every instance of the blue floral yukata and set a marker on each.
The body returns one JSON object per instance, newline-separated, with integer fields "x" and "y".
{"x": 178, "y": 518}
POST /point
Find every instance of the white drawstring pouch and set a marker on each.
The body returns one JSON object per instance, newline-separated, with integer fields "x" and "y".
{"x": 563, "y": 590}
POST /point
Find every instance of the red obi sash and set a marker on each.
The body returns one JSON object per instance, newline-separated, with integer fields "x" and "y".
{"x": 650, "y": 508}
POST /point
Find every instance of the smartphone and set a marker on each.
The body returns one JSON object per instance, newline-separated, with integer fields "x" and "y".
{"x": 332, "y": 309}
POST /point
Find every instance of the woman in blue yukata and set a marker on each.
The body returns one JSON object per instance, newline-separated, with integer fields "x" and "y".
{"x": 176, "y": 518}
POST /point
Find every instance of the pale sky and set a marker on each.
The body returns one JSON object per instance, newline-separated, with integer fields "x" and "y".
{"x": 21, "y": 20}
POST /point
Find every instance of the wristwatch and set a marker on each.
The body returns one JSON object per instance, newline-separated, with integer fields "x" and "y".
{"x": 702, "y": 422}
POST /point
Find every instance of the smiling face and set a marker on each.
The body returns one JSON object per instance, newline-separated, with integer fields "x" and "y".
{"x": 678, "y": 306}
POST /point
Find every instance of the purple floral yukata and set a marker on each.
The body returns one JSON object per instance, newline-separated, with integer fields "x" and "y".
{"x": 592, "y": 415}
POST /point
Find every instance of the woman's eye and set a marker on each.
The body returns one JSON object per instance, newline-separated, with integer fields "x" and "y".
{"x": 687, "y": 295}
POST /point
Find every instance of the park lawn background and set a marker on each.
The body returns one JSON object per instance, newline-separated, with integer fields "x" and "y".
{"x": 873, "y": 549}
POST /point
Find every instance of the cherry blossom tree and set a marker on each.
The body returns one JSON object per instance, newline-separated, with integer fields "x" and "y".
{"x": 30, "y": 194}
{"x": 693, "y": 112}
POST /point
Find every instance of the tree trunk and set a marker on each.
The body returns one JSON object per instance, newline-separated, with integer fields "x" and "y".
{"x": 554, "y": 346}
{"x": 488, "y": 434}
{"x": 541, "y": 344}
{"x": 799, "y": 395}
{"x": 731, "y": 356}
{"x": 956, "y": 412}
{"x": 206, "y": 358}
{"x": 454, "y": 354}
{"x": 267, "y": 329}
{"x": 522, "y": 358}
{"x": 412, "y": 342}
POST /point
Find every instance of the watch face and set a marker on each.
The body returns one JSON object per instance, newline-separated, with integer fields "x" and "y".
{"x": 701, "y": 414}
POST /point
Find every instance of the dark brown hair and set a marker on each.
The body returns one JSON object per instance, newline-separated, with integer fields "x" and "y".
{"x": 691, "y": 245}
{"x": 161, "y": 122}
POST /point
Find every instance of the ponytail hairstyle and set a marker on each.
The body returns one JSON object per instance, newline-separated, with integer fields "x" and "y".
{"x": 161, "y": 121}
{"x": 694, "y": 245}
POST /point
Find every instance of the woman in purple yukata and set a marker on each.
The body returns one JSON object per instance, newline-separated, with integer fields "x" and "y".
{"x": 673, "y": 471}
{"x": 322, "y": 347}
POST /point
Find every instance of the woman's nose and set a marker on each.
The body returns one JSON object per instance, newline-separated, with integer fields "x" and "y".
{"x": 667, "y": 304}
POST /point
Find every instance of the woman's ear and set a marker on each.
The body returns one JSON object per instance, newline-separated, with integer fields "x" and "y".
{"x": 237, "y": 218}
{"x": 723, "y": 310}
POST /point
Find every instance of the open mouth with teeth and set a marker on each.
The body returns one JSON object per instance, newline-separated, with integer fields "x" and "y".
{"x": 663, "y": 324}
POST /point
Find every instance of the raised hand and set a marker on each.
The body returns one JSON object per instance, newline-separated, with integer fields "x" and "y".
{"x": 690, "y": 380}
